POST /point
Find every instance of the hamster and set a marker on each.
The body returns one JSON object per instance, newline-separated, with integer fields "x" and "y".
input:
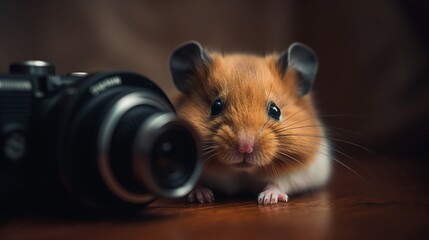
{"x": 256, "y": 117}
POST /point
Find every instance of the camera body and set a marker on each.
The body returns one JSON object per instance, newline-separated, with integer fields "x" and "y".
{"x": 109, "y": 141}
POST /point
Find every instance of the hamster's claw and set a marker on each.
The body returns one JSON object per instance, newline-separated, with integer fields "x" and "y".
{"x": 201, "y": 195}
{"x": 272, "y": 196}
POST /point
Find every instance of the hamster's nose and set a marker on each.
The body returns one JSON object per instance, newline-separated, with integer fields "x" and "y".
{"x": 245, "y": 145}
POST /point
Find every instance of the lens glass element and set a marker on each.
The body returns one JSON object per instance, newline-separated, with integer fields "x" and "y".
{"x": 173, "y": 157}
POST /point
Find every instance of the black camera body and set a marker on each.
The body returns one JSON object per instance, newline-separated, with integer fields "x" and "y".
{"x": 109, "y": 141}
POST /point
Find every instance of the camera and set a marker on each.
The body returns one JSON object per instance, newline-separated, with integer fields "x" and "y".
{"x": 107, "y": 141}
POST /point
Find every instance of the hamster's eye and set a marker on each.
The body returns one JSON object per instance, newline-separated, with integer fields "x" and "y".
{"x": 217, "y": 107}
{"x": 273, "y": 111}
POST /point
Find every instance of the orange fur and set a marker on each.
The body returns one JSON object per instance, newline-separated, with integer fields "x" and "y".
{"x": 248, "y": 83}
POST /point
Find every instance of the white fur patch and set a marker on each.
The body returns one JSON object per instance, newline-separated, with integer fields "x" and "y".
{"x": 314, "y": 176}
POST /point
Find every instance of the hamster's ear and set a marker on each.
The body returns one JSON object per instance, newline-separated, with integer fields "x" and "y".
{"x": 185, "y": 61}
{"x": 302, "y": 59}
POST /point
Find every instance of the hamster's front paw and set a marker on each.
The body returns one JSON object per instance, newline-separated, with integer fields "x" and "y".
{"x": 201, "y": 195}
{"x": 272, "y": 195}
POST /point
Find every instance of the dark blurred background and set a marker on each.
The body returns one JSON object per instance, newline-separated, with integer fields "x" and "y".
{"x": 374, "y": 55}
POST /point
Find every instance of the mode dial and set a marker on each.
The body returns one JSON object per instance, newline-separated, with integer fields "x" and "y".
{"x": 36, "y": 67}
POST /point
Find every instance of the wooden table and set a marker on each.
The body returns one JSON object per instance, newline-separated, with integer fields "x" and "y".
{"x": 390, "y": 200}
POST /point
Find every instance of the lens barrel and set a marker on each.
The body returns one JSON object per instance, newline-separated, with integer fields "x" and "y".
{"x": 143, "y": 146}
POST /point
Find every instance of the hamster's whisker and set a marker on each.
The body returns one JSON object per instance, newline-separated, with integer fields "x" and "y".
{"x": 288, "y": 156}
{"x": 208, "y": 141}
{"x": 267, "y": 170}
{"x": 265, "y": 125}
{"x": 275, "y": 170}
{"x": 301, "y": 135}
{"x": 328, "y": 129}
{"x": 208, "y": 144}
{"x": 295, "y": 114}
{"x": 334, "y": 147}
{"x": 286, "y": 128}
{"x": 290, "y": 126}
{"x": 210, "y": 162}
{"x": 341, "y": 163}
{"x": 331, "y": 139}
{"x": 283, "y": 160}
{"x": 271, "y": 169}
{"x": 229, "y": 157}
{"x": 325, "y": 137}
{"x": 208, "y": 148}
{"x": 287, "y": 125}
{"x": 288, "y": 118}
{"x": 282, "y": 133}
{"x": 343, "y": 115}
{"x": 347, "y": 167}
{"x": 211, "y": 154}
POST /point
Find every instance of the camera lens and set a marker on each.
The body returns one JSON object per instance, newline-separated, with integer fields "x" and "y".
{"x": 145, "y": 149}
{"x": 113, "y": 143}
{"x": 120, "y": 144}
